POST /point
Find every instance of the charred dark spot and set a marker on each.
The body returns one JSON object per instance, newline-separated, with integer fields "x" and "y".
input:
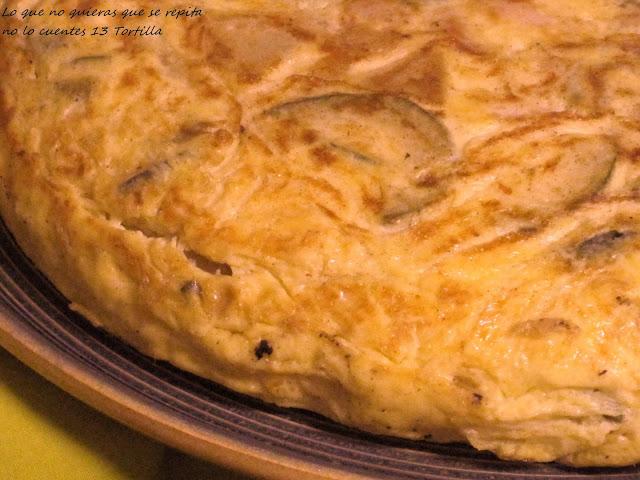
{"x": 601, "y": 243}
{"x": 208, "y": 265}
{"x": 602, "y": 372}
{"x": 263, "y": 348}
{"x": 614, "y": 418}
{"x": 477, "y": 399}
{"x": 622, "y": 300}
{"x": 192, "y": 287}
{"x": 331, "y": 338}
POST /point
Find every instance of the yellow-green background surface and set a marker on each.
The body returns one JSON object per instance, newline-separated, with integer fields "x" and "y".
{"x": 46, "y": 434}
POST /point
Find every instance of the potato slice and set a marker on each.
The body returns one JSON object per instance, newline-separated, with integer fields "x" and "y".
{"x": 401, "y": 148}
{"x": 546, "y": 174}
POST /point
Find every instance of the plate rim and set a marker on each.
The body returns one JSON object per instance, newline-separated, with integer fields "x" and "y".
{"x": 123, "y": 407}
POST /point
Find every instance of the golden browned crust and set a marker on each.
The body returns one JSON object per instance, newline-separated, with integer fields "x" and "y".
{"x": 419, "y": 218}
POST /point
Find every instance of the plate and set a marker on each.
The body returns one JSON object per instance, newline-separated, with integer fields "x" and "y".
{"x": 210, "y": 421}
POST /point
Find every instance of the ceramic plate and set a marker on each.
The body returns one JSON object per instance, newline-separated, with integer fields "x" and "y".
{"x": 210, "y": 421}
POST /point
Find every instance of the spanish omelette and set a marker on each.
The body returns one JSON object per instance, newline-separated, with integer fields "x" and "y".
{"x": 418, "y": 218}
